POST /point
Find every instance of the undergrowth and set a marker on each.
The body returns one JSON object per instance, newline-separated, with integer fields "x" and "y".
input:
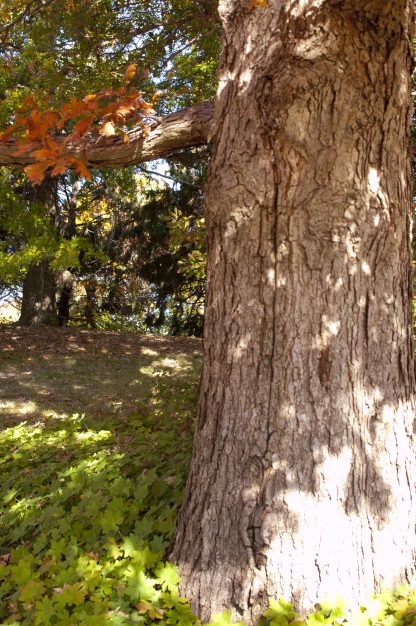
{"x": 87, "y": 511}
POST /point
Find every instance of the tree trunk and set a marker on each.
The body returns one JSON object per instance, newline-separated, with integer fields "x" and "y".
{"x": 90, "y": 303}
{"x": 302, "y": 480}
{"x": 39, "y": 297}
{"x": 39, "y": 285}
{"x": 66, "y": 287}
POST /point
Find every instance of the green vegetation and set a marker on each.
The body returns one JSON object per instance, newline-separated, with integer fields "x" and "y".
{"x": 71, "y": 49}
{"x": 89, "y": 500}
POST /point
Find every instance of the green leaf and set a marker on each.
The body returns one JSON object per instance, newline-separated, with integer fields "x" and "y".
{"x": 224, "y": 619}
{"x": 280, "y": 609}
{"x": 31, "y": 590}
{"x": 45, "y": 610}
{"x": 168, "y": 577}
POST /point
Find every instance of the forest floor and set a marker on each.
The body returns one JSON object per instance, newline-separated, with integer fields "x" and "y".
{"x": 95, "y": 441}
{"x": 56, "y": 372}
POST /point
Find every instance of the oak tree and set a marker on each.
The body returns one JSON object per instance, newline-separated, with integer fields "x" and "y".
{"x": 302, "y": 480}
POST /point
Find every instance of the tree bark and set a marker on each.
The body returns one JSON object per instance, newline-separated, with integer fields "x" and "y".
{"x": 39, "y": 285}
{"x": 39, "y": 297}
{"x": 302, "y": 479}
{"x": 66, "y": 287}
{"x": 177, "y": 131}
{"x": 90, "y": 303}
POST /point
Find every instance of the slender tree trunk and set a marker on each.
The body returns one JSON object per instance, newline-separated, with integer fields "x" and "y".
{"x": 39, "y": 297}
{"x": 66, "y": 286}
{"x": 90, "y": 304}
{"x": 302, "y": 479}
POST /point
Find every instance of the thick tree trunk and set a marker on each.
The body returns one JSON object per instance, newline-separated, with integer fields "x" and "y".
{"x": 39, "y": 285}
{"x": 39, "y": 297}
{"x": 303, "y": 476}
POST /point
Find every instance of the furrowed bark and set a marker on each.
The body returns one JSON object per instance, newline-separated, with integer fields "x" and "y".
{"x": 39, "y": 285}
{"x": 177, "y": 131}
{"x": 302, "y": 479}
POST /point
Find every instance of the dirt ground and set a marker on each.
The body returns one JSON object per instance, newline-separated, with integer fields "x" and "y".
{"x": 56, "y": 372}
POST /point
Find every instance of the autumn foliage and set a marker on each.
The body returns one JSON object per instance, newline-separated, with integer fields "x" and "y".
{"x": 56, "y": 139}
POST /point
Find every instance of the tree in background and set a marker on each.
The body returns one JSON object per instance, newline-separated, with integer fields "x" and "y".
{"x": 116, "y": 252}
{"x": 63, "y": 50}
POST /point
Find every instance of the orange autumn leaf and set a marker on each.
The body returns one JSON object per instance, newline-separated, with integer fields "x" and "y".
{"x": 61, "y": 165}
{"x": 45, "y": 153}
{"x": 83, "y": 125}
{"x": 29, "y": 102}
{"x": 82, "y": 169}
{"x": 24, "y": 148}
{"x": 130, "y": 72}
{"x": 36, "y": 171}
{"x": 123, "y": 110}
{"x": 50, "y": 136}
{"x": 73, "y": 108}
{"x": 147, "y": 108}
{"x": 90, "y": 97}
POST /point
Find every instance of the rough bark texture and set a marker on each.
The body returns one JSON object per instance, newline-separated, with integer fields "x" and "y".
{"x": 39, "y": 285}
{"x": 177, "y": 131}
{"x": 39, "y": 297}
{"x": 303, "y": 476}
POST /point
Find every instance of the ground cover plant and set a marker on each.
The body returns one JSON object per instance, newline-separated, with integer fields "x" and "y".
{"x": 94, "y": 449}
{"x": 89, "y": 499}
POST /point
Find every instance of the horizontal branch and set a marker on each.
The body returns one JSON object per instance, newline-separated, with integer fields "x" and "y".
{"x": 177, "y": 131}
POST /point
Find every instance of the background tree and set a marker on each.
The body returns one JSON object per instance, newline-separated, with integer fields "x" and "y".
{"x": 74, "y": 49}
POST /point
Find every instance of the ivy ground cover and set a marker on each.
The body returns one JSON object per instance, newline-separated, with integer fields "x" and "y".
{"x": 95, "y": 442}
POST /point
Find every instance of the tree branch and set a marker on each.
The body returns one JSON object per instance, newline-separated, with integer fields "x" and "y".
{"x": 33, "y": 6}
{"x": 184, "y": 129}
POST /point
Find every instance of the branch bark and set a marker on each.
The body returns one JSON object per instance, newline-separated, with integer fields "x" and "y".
{"x": 183, "y": 129}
